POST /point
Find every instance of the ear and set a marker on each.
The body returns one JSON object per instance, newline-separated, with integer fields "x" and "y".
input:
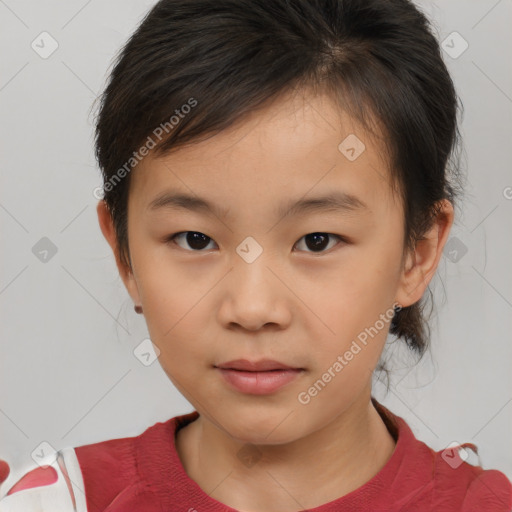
{"x": 126, "y": 272}
{"x": 421, "y": 264}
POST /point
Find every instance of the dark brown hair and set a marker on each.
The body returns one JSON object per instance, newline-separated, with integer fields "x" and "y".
{"x": 225, "y": 58}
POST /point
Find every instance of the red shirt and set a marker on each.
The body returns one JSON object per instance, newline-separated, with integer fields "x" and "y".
{"x": 144, "y": 473}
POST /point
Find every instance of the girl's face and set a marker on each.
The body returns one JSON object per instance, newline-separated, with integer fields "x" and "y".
{"x": 250, "y": 281}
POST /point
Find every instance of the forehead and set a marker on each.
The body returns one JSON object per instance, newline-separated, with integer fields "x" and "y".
{"x": 299, "y": 145}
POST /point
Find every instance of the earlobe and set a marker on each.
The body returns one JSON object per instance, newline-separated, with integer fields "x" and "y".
{"x": 414, "y": 277}
{"x": 421, "y": 264}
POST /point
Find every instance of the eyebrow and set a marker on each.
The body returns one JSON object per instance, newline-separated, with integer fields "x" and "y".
{"x": 338, "y": 202}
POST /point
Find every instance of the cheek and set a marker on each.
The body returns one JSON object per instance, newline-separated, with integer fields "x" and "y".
{"x": 171, "y": 313}
{"x": 348, "y": 359}
{"x": 169, "y": 291}
{"x": 355, "y": 308}
{"x": 352, "y": 295}
{"x": 342, "y": 371}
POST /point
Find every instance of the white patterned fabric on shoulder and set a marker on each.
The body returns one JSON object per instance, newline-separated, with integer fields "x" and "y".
{"x": 65, "y": 494}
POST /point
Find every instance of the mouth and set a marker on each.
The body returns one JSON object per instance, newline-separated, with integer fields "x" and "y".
{"x": 264, "y": 365}
{"x": 258, "y": 378}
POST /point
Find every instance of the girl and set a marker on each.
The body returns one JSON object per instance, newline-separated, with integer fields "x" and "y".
{"x": 277, "y": 195}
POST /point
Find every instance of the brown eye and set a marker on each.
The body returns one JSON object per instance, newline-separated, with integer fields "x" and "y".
{"x": 196, "y": 241}
{"x": 317, "y": 242}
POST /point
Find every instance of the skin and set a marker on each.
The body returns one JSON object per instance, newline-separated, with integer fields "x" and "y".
{"x": 292, "y": 304}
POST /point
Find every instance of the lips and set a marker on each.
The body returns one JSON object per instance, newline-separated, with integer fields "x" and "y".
{"x": 258, "y": 377}
{"x": 264, "y": 365}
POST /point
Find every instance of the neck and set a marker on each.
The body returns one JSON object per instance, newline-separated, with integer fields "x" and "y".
{"x": 306, "y": 473}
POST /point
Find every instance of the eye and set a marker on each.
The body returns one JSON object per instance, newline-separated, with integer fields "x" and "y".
{"x": 318, "y": 241}
{"x": 196, "y": 240}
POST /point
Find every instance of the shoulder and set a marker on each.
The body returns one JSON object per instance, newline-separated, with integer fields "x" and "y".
{"x": 57, "y": 485}
{"x": 449, "y": 480}
{"x": 84, "y": 478}
{"x": 111, "y": 469}
{"x": 475, "y": 488}
{"x": 120, "y": 454}
{"x": 457, "y": 484}
{"x": 491, "y": 490}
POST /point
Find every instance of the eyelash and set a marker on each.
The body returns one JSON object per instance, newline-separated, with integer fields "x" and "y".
{"x": 171, "y": 240}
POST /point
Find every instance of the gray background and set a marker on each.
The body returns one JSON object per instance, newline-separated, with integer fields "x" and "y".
{"x": 68, "y": 374}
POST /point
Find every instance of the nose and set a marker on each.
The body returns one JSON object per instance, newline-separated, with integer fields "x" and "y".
{"x": 254, "y": 296}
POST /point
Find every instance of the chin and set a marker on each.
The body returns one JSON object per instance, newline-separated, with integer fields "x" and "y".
{"x": 273, "y": 429}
